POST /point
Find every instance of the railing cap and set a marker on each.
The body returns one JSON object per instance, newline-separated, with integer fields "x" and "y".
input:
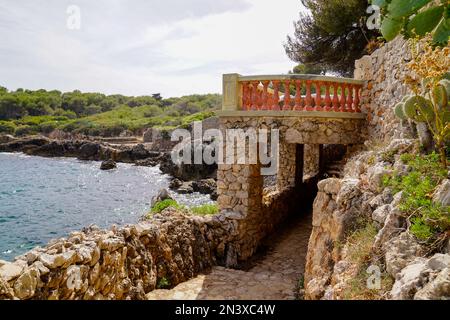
{"x": 313, "y": 77}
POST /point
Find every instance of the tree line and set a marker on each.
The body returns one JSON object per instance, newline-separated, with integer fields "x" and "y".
{"x": 41, "y": 111}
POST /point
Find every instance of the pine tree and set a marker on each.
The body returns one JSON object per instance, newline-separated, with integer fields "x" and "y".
{"x": 333, "y": 34}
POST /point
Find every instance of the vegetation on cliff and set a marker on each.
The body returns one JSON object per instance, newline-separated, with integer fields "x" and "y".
{"x": 430, "y": 221}
{"x": 361, "y": 253}
{"x": 203, "y": 210}
{"x": 25, "y": 112}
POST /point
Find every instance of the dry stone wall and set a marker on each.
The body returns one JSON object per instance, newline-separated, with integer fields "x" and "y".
{"x": 129, "y": 262}
{"x": 124, "y": 263}
{"x": 384, "y": 72}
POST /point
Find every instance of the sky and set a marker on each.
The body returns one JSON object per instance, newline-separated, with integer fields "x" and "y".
{"x": 141, "y": 47}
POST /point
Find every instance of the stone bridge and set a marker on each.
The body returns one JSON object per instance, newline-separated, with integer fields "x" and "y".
{"x": 309, "y": 112}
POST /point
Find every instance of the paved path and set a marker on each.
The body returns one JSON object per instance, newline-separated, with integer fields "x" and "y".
{"x": 272, "y": 276}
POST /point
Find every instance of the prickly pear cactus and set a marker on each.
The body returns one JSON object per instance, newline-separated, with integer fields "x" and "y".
{"x": 418, "y": 109}
{"x": 399, "y": 111}
{"x": 440, "y": 96}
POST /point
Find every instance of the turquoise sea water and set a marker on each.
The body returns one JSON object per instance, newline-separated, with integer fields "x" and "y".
{"x": 42, "y": 199}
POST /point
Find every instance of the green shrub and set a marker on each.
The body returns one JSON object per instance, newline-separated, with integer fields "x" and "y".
{"x": 163, "y": 283}
{"x": 7, "y": 127}
{"x": 361, "y": 243}
{"x": 361, "y": 254}
{"x": 65, "y": 113}
{"x": 356, "y": 288}
{"x": 428, "y": 219}
{"x": 48, "y": 127}
{"x": 162, "y": 205}
{"x": 206, "y": 210}
{"x": 26, "y": 130}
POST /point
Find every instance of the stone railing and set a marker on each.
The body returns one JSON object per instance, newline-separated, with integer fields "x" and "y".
{"x": 304, "y": 93}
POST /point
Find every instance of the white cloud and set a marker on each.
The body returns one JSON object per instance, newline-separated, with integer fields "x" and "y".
{"x": 175, "y": 47}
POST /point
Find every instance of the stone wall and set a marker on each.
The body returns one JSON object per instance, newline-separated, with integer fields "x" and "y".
{"x": 129, "y": 262}
{"x": 123, "y": 263}
{"x": 311, "y": 160}
{"x": 240, "y": 186}
{"x": 360, "y": 196}
{"x": 343, "y": 206}
{"x": 383, "y": 71}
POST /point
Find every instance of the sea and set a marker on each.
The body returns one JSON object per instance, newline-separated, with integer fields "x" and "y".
{"x": 47, "y": 198}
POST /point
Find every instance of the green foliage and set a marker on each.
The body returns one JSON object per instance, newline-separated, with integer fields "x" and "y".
{"x": 96, "y": 114}
{"x": 419, "y": 109}
{"x": 399, "y": 111}
{"x": 360, "y": 253}
{"x": 308, "y": 69}
{"x": 425, "y": 21}
{"x": 403, "y": 8}
{"x": 430, "y": 103}
{"x": 356, "y": 288}
{"x": 301, "y": 282}
{"x": 163, "y": 283}
{"x": 441, "y": 93}
{"x": 206, "y": 210}
{"x": 415, "y": 18}
{"x": 428, "y": 219}
{"x": 360, "y": 243}
{"x": 7, "y": 127}
{"x": 332, "y": 35}
{"x": 24, "y": 130}
{"x": 388, "y": 156}
{"x": 390, "y": 28}
{"x": 162, "y": 205}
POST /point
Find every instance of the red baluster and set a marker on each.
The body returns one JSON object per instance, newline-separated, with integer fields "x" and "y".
{"x": 335, "y": 97}
{"x": 287, "y": 95}
{"x": 255, "y": 95}
{"x": 245, "y": 96}
{"x": 327, "y": 97}
{"x": 298, "y": 95}
{"x": 343, "y": 99}
{"x": 350, "y": 99}
{"x": 276, "y": 95}
{"x": 308, "y": 99}
{"x": 265, "y": 96}
{"x": 260, "y": 96}
{"x": 357, "y": 99}
{"x": 318, "y": 96}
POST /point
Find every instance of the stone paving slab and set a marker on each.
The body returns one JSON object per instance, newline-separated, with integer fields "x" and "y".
{"x": 272, "y": 277}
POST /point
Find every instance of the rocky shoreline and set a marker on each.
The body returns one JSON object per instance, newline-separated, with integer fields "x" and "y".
{"x": 186, "y": 178}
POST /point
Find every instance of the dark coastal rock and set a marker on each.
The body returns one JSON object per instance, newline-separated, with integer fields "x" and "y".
{"x": 138, "y": 152}
{"x": 21, "y": 144}
{"x": 108, "y": 165}
{"x": 53, "y": 149}
{"x": 186, "y": 188}
{"x": 6, "y": 138}
{"x": 175, "y": 184}
{"x": 187, "y": 172}
{"x": 146, "y": 162}
{"x": 206, "y": 186}
{"x": 162, "y": 195}
{"x": 89, "y": 151}
{"x": 214, "y": 195}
